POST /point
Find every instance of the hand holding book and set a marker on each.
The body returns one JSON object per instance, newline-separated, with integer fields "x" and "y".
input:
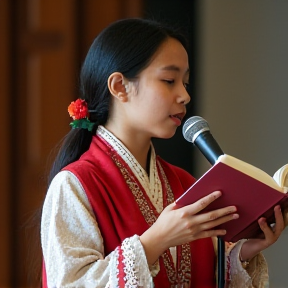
{"x": 252, "y": 247}
{"x": 251, "y": 190}
{"x": 196, "y": 130}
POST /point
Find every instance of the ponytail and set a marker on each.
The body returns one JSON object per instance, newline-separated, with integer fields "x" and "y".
{"x": 74, "y": 144}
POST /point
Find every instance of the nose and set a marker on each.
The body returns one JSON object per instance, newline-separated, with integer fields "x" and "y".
{"x": 183, "y": 98}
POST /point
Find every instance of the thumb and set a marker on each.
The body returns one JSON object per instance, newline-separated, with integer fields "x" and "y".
{"x": 172, "y": 206}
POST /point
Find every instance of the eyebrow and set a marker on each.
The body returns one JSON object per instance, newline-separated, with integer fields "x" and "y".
{"x": 174, "y": 68}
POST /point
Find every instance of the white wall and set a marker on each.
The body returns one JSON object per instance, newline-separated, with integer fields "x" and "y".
{"x": 243, "y": 90}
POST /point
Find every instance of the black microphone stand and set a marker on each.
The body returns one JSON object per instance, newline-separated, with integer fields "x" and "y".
{"x": 221, "y": 262}
{"x": 211, "y": 150}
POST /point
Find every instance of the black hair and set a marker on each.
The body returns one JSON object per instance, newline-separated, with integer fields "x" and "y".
{"x": 126, "y": 46}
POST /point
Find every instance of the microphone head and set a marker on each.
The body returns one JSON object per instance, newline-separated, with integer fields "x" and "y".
{"x": 193, "y": 127}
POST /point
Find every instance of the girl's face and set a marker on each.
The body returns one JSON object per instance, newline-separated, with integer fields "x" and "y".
{"x": 156, "y": 105}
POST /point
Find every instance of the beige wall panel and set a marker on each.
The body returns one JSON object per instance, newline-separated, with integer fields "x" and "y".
{"x": 243, "y": 88}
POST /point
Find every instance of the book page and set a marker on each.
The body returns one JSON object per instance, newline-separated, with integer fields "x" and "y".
{"x": 281, "y": 177}
{"x": 251, "y": 170}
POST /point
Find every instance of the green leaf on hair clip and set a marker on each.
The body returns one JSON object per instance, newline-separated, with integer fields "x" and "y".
{"x": 83, "y": 123}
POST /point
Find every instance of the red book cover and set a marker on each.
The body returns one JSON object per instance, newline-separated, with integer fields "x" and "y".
{"x": 253, "y": 198}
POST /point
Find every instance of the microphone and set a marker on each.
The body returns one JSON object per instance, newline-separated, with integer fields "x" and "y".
{"x": 197, "y": 131}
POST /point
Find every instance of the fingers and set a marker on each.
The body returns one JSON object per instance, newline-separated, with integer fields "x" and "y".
{"x": 202, "y": 203}
{"x": 185, "y": 224}
{"x": 280, "y": 225}
{"x": 202, "y": 225}
{"x": 217, "y": 217}
{"x": 207, "y": 234}
{"x": 198, "y": 206}
{"x": 253, "y": 246}
{"x": 272, "y": 234}
{"x": 264, "y": 227}
{"x": 206, "y": 221}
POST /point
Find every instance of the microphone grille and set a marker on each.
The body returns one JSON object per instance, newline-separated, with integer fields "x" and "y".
{"x": 193, "y": 127}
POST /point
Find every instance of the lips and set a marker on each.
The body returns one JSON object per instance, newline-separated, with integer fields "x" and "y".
{"x": 177, "y": 118}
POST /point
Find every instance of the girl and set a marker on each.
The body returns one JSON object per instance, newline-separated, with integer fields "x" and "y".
{"x": 109, "y": 217}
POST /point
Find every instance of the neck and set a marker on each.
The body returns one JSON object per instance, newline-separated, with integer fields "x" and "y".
{"x": 136, "y": 143}
{"x": 141, "y": 154}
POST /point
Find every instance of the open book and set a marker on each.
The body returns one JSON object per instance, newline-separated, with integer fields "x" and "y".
{"x": 251, "y": 190}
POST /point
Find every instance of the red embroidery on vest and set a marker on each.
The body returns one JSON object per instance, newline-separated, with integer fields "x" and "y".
{"x": 150, "y": 214}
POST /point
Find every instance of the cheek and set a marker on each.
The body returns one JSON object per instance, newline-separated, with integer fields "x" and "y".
{"x": 153, "y": 101}
{"x": 154, "y": 106}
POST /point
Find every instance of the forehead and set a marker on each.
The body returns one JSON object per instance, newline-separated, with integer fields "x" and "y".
{"x": 170, "y": 53}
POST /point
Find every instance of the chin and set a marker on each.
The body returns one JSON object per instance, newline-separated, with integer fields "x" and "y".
{"x": 167, "y": 135}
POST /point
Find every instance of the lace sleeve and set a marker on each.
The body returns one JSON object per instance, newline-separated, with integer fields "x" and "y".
{"x": 255, "y": 275}
{"x": 129, "y": 266}
{"x": 73, "y": 247}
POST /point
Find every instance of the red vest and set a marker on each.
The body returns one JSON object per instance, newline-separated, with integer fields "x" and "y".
{"x": 106, "y": 178}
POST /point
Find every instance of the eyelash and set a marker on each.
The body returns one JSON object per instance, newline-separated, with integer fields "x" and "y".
{"x": 170, "y": 82}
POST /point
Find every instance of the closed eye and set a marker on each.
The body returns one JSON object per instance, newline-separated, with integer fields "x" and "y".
{"x": 186, "y": 85}
{"x": 169, "y": 81}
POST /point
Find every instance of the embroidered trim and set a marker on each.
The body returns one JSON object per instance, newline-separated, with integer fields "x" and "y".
{"x": 184, "y": 267}
{"x": 114, "y": 272}
{"x": 228, "y": 269}
{"x": 150, "y": 217}
{"x": 151, "y": 186}
{"x": 146, "y": 210}
{"x": 119, "y": 155}
{"x": 129, "y": 273}
{"x": 129, "y": 265}
{"x": 170, "y": 268}
{"x": 165, "y": 183}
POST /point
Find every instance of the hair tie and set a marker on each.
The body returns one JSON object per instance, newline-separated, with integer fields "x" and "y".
{"x": 79, "y": 112}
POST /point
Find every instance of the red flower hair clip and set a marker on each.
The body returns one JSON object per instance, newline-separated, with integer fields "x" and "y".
{"x": 79, "y": 112}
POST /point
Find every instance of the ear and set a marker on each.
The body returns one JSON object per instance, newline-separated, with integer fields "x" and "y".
{"x": 116, "y": 84}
